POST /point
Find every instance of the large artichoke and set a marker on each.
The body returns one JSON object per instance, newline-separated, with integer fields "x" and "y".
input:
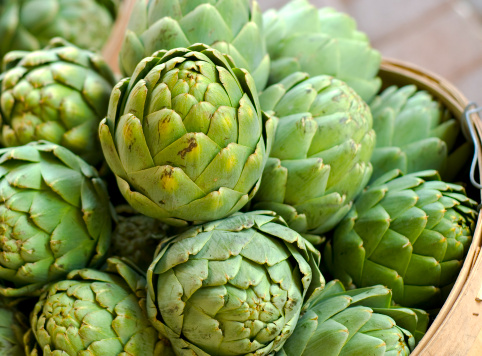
{"x": 13, "y": 326}
{"x": 97, "y": 313}
{"x": 232, "y": 287}
{"x": 415, "y": 133}
{"x": 30, "y": 24}
{"x": 320, "y": 157}
{"x": 58, "y": 94}
{"x": 300, "y": 37}
{"x": 54, "y": 217}
{"x": 227, "y": 25}
{"x": 185, "y": 136}
{"x": 409, "y": 233}
{"x": 355, "y": 322}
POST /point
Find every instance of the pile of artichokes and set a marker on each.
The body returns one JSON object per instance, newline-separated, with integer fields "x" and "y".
{"x": 246, "y": 189}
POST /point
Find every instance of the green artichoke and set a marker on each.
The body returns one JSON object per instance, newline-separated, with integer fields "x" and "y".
{"x": 299, "y": 37}
{"x": 320, "y": 157}
{"x": 355, "y": 322}
{"x": 415, "y": 133}
{"x": 13, "y": 326}
{"x": 137, "y": 236}
{"x": 97, "y": 313}
{"x": 410, "y": 233}
{"x": 58, "y": 94}
{"x": 229, "y": 26}
{"x": 232, "y": 287}
{"x": 30, "y": 24}
{"x": 54, "y": 217}
{"x": 185, "y": 136}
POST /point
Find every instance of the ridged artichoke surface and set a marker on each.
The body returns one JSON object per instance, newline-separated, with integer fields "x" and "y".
{"x": 410, "y": 233}
{"x": 300, "y": 37}
{"x": 97, "y": 313}
{"x": 229, "y": 26}
{"x": 320, "y": 157}
{"x": 232, "y": 287}
{"x": 355, "y": 322}
{"x": 185, "y": 136}
{"x": 58, "y": 94}
{"x": 415, "y": 133}
{"x": 54, "y": 217}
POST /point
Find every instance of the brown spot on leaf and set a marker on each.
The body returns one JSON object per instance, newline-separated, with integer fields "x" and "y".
{"x": 192, "y": 144}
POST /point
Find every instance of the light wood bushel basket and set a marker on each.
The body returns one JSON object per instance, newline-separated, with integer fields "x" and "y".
{"x": 457, "y": 330}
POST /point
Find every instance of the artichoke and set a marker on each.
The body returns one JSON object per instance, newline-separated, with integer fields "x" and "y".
{"x": 97, "y": 313}
{"x": 58, "y": 94}
{"x": 54, "y": 217}
{"x": 320, "y": 157}
{"x": 299, "y": 37}
{"x": 185, "y": 136}
{"x": 30, "y": 24}
{"x": 232, "y": 287}
{"x": 13, "y": 326}
{"x": 137, "y": 236}
{"x": 415, "y": 133}
{"x": 355, "y": 322}
{"x": 410, "y": 233}
{"x": 229, "y": 26}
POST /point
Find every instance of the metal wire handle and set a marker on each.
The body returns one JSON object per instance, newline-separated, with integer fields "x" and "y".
{"x": 472, "y": 108}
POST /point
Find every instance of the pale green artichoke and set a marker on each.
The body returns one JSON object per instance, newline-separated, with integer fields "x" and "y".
{"x": 185, "y": 136}
{"x": 299, "y": 37}
{"x": 232, "y": 287}
{"x": 415, "y": 133}
{"x": 30, "y": 24}
{"x": 97, "y": 313}
{"x": 13, "y": 326}
{"x": 229, "y": 26}
{"x": 410, "y": 233}
{"x": 320, "y": 157}
{"x": 54, "y": 217}
{"x": 58, "y": 94}
{"x": 355, "y": 322}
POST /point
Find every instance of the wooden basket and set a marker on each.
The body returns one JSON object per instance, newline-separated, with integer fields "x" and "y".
{"x": 457, "y": 330}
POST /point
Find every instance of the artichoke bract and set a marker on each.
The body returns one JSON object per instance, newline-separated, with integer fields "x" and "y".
{"x": 13, "y": 326}
{"x": 232, "y": 287}
{"x": 30, "y": 24}
{"x": 355, "y": 322}
{"x": 97, "y": 313}
{"x": 54, "y": 217}
{"x": 410, "y": 233}
{"x": 229, "y": 26}
{"x": 320, "y": 157}
{"x": 58, "y": 94}
{"x": 299, "y": 37}
{"x": 185, "y": 136}
{"x": 415, "y": 133}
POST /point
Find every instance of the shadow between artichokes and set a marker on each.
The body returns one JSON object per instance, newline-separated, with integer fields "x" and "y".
{"x": 232, "y": 287}
{"x": 13, "y": 325}
{"x": 185, "y": 136}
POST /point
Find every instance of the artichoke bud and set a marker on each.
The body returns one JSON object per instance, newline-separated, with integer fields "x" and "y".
{"x": 13, "y": 326}
{"x": 399, "y": 226}
{"x": 185, "y": 136}
{"x": 54, "y": 217}
{"x": 232, "y": 287}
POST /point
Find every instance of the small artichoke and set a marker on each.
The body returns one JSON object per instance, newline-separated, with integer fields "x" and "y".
{"x": 300, "y": 37}
{"x": 320, "y": 157}
{"x": 415, "y": 133}
{"x": 232, "y": 287}
{"x": 355, "y": 322}
{"x": 54, "y": 217}
{"x": 97, "y": 313}
{"x": 30, "y": 24}
{"x": 58, "y": 94}
{"x": 185, "y": 136}
{"x": 13, "y": 326}
{"x": 410, "y": 233}
{"x": 229, "y": 26}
